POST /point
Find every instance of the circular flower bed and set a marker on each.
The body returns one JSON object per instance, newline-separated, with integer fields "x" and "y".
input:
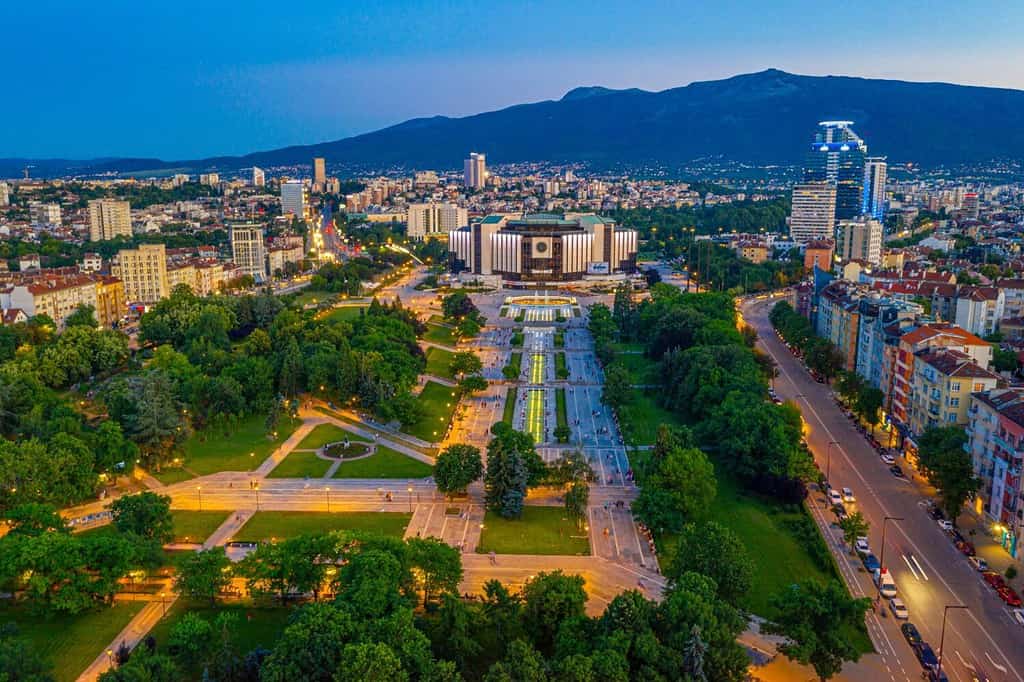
{"x": 346, "y": 450}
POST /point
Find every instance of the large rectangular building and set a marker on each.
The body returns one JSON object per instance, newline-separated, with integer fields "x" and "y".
{"x": 248, "y": 250}
{"x": 293, "y": 199}
{"x": 475, "y": 171}
{"x": 859, "y": 239}
{"x": 813, "y": 211}
{"x": 434, "y": 220}
{"x": 144, "y": 273}
{"x": 109, "y": 218}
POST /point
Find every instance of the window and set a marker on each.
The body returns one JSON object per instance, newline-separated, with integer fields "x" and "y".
{"x": 951, "y": 417}
{"x": 954, "y": 402}
{"x": 954, "y": 386}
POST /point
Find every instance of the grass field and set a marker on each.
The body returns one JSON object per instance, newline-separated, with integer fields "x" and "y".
{"x": 561, "y": 369}
{"x": 541, "y": 530}
{"x": 438, "y": 405}
{"x": 516, "y": 340}
{"x": 301, "y": 465}
{"x": 264, "y": 526}
{"x": 196, "y": 526}
{"x": 308, "y": 296}
{"x": 171, "y": 475}
{"x": 535, "y": 414}
{"x": 510, "y": 405}
{"x": 240, "y": 449}
{"x": 253, "y": 626}
{"x": 345, "y": 313}
{"x": 322, "y": 434}
{"x": 384, "y": 463}
{"x": 515, "y": 361}
{"x": 561, "y": 412}
{"x": 71, "y": 643}
{"x": 436, "y": 333}
{"x": 640, "y": 418}
{"x": 642, "y": 370}
{"x": 439, "y": 363}
{"x": 560, "y": 339}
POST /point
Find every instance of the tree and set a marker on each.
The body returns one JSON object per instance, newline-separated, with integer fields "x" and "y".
{"x": 948, "y": 467}
{"x": 472, "y": 384}
{"x": 19, "y": 662}
{"x": 869, "y": 404}
{"x": 83, "y": 316}
{"x": 370, "y": 662}
{"x": 680, "y": 490}
{"x": 457, "y": 466}
{"x": 146, "y": 515}
{"x": 562, "y": 433}
{"x": 310, "y": 648}
{"x": 693, "y": 656}
{"x": 816, "y": 619}
{"x": 550, "y": 599}
{"x": 203, "y": 574}
{"x": 144, "y": 666}
{"x": 513, "y": 465}
{"x": 854, "y": 526}
{"x": 439, "y": 564}
{"x": 523, "y": 663}
{"x": 577, "y": 496}
{"x": 715, "y": 551}
{"x": 34, "y": 519}
{"x": 191, "y": 640}
{"x": 465, "y": 363}
{"x": 618, "y": 386}
{"x": 824, "y": 358}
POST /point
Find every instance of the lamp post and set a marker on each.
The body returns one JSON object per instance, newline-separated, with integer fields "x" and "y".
{"x": 327, "y": 491}
{"x": 828, "y": 461}
{"x": 409, "y": 490}
{"x": 256, "y": 489}
{"x": 199, "y": 492}
{"x": 163, "y": 603}
{"x": 881, "y": 558}
{"x": 942, "y": 637}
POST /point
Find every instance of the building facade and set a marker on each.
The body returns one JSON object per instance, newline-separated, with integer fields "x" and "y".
{"x": 434, "y": 220}
{"x": 293, "y": 199}
{"x": 144, "y": 273}
{"x": 876, "y": 171}
{"x": 813, "y": 212}
{"x": 995, "y": 434}
{"x": 109, "y": 218}
{"x": 248, "y": 251}
{"x": 475, "y": 171}
{"x": 859, "y": 239}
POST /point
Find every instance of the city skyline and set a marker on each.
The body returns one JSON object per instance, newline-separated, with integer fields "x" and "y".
{"x": 233, "y": 84}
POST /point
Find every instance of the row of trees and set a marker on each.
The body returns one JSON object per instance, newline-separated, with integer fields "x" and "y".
{"x": 820, "y": 355}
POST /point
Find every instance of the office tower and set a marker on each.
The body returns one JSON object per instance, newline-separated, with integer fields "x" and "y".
{"x": 5, "y": 194}
{"x": 293, "y": 199}
{"x": 428, "y": 220}
{"x": 837, "y": 156}
{"x": 875, "y": 171}
{"x": 144, "y": 273}
{"x": 813, "y": 211}
{"x": 44, "y": 214}
{"x": 248, "y": 250}
{"x": 475, "y": 175}
{"x": 109, "y": 218}
{"x": 859, "y": 239}
{"x": 258, "y": 178}
{"x": 319, "y": 172}
{"x": 210, "y": 179}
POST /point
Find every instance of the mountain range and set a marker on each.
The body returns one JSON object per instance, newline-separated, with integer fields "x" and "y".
{"x": 767, "y": 117}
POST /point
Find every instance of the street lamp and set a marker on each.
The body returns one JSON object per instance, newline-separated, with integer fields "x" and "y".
{"x": 828, "y": 460}
{"x": 409, "y": 490}
{"x": 942, "y": 637}
{"x": 199, "y": 492}
{"x": 881, "y": 558}
{"x": 163, "y": 603}
{"x": 327, "y": 491}
{"x": 256, "y": 489}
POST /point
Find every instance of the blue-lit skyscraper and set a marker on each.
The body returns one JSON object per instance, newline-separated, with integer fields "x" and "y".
{"x": 837, "y": 156}
{"x": 875, "y": 171}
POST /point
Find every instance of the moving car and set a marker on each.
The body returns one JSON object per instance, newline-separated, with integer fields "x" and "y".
{"x": 899, "y": 609}
{"x": 911, "y": 634}
{"x": 1018, "y": 615}
{"x": 936, "y": 512}
{"x": 978, "y": 563}
{"x": 848, "y": 495}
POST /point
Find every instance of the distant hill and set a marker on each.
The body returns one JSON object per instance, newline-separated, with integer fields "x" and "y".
{"x": 765, "y": 117}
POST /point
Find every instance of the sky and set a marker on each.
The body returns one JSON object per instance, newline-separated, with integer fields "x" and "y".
{"x": 186, "y": 79}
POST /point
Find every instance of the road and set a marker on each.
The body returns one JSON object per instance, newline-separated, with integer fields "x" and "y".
{"x": 929, "y": 571}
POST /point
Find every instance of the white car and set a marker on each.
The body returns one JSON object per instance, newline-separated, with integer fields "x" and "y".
{"x": 888, "y": 459}
{"x": 945, "y": 524}
{"x": 862, "y": 546}
{"x": 834, "y": 497}
{"x": 848, "y": 495}
{"x": 1018, "y": 615}
{"x": 899, "y": 609}
{"x": 979, "y": 564}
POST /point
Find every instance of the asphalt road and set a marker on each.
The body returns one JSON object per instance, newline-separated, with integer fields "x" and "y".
{"x": 929, "y": 571}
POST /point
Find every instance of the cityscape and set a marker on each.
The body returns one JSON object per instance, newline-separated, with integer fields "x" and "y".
{"x": 709, "y": 378}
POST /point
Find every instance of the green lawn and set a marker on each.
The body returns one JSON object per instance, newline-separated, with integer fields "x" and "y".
{"x": 561, "y": 412}
{"x": 641, "y": 418}
{"x": 561, "y": 370}
{"x": 171, "y": 475}
{"x": 384, "y": 463}
{"x": 439, "y": 363}
{"x": 436, "y": 333}
{"x": 241, "y": 449}
{"x": 517, "y": 339}
{"x": 516, "y": 360}
{"x": 71, "y": 643}
{"x": 308, "y": 296}
{"x": 560, "y": 338}
{"x": 541, "y": 530}
{"x": 438, "y": 405}
{"x": 264, "y": 526}
{"x": 642, "y": 370}
{"x": 437, "y": 319}
{"x": 196, "y": 526}
{"x": 322, "y": 434}
{"x": 253, "y": 626}
{"x": 301, "y": 465}
{"x": 344, "y": 313}
{"x": 510, "y": 405}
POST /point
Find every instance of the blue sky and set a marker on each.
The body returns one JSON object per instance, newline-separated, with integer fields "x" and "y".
{"x": 185, "y": 79}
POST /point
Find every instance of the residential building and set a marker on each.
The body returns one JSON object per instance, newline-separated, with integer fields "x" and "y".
{"x": 995, "y": 442}
{"x": 144, "y": 273}
{"x": 259, "y": 179}
{"x": 970, "y": 204}
{"x": 91, "y": 262}
{"x": 883, "y": 321}
{"x": 813, "y": 211}
{"x": 280, "y": 254}
{"x": 979, "y": 309}
{"x": 875, "y": 172}
{"x": 751, "y": 250}
{"x": 179, "y": 179}
{"x": 182, "y": 272}
{"x": 293, "y": 199}
{"x": 838, "y": 320}
{"x": 210, "y": 179}
{"x": 1013, "y": 297}
{"x": 44, "y": 215}
{"x": 109, "y": 218}
{"x": 319, "y": 172}
{"x": 859, "y": 239}
{"x": 248, "y": 251}
{"x": 58, "y": 297}
{"x": 111, "y": 303}
{"x": 475, "y": 171}
{"x": 5, "y": 194}
{"x": 943, "y": 381}
{"x": 434, "y": 220}
{"x": 818, "y": 253}
{"x": 210, "y": 276}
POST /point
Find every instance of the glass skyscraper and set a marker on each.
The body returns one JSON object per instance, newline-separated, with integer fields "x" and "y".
{"x": 837, "y": 156}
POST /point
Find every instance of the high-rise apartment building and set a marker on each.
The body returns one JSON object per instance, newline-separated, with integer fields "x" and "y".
{"x": 475, "y": 171}
{"x": 319, "y": 172}
{"x": 293, "y": 199}
{"x": 859, "y": 239}
{"x": 109, "y": 218}
{"x": 875, "y": 172}
{"x": 248, "y": 250}
{"x": 5, "y": 194}
{"x": 813, "y": 211}
{"x": 970, "y": 204}
{"x": 837, "y": 156}
{"x": 210, "y": 179}
{"x": 41, "y": 214}
{"x": 259, "y": 179}
{"x": 144, "y": 273}
{"x": 430, "y": 220}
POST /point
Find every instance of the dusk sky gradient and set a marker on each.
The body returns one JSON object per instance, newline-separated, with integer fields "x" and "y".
{"x": 192, "y": 79}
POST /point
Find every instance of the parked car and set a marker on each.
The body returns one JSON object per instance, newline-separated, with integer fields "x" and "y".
{"x": 834, "y": 498}
{"x": 862, "y": 546}
{"x": 870, "y": 562}
{"x": 911, "y": 634}
{"x": 1009, "y": 595}
{"x": 925, "y": 655}
{"x": 966, "y": 548}
{"x": 944, "y": 524}
{"x": 899, "y": 609}
{"x": 896, "y": 471}
{"x": 1018, "y": 615}
{"x": 887, "y": 458}
{"x": 936, "y": 512}
{"x": 994, "y": 580}
{"x": 978, "y": 563}
{"x": 886, "y": 585}
{"x": 848, "y": 495}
